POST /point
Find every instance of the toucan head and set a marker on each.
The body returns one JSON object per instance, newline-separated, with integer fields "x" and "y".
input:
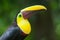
{"x": 22, "y": 17}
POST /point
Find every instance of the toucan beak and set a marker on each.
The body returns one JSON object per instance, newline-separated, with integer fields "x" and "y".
{"x": 31, "y": 10}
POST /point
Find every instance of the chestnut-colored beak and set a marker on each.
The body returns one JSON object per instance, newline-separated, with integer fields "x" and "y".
{"x": 29, "y": 11}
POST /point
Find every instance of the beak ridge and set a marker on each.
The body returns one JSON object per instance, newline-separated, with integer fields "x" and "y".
{"x": 27, "y": 12}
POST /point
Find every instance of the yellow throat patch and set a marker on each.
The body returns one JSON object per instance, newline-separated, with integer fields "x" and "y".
{"x": 23, "y": 24}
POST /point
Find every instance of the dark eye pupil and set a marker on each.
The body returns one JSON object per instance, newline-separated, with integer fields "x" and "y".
{"x": 19, "y": 15}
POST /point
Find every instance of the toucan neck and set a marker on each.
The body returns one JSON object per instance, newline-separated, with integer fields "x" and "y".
{"x": 24, "y": 25}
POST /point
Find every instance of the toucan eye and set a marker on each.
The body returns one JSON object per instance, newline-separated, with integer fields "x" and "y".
{"x": 20, "y": 15}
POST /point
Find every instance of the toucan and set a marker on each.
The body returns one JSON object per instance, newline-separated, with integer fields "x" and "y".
{"x": 21, "y": 27}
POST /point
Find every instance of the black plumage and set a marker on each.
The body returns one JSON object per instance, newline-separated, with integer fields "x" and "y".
{"x": 13, "y": 33}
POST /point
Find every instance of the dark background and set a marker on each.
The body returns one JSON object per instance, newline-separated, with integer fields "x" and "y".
{"x": 45, "y": 25}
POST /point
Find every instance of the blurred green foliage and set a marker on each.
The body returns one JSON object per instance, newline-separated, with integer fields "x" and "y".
{"x": 9, "y": 9}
